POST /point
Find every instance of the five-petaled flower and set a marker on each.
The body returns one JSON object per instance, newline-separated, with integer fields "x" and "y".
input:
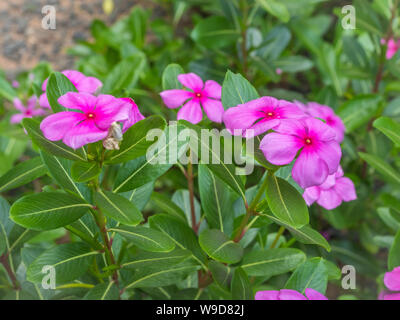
{"x": 88, "y": 121}
{"x": 319, "y": 154}
{"x": 332, "y": 192}
{"x": 200, "y": 94}
{"x": 81, "y": 82}
{"x": 27, "y": 111}
{"x": 288, "y": 294}
{"x": 260, "y": 115}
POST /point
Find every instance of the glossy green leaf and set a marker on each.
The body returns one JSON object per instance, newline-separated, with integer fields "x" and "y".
{"x": 85, "y": 171}
{"x": 157, "y": 260}
{"x": 58, "y": 85}
{"x": 390, "y": 128}
{"x": 169, "y": 77}
{"x": 394, "y": 252}
{"x": 276, "y": 8}
{"x": 103, "y": 291}
{"x": 387, "y": 171}
{"x": 241, "y": 286}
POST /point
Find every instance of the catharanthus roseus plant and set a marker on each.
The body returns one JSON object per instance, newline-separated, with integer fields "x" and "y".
{"x": 125, "y": 180}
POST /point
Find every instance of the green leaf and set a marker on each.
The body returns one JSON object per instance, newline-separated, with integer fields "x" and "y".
{"x": 6, "y": 90}
{"x": 124, "y": 75}
{"x": 134, "y": 143}
{"x": 214, "y": 32}
{"x": 170, "y": 77}
{"x": 60, "y": 171}
{"x": 56, "y": 148}
{"x": 213, "y": 160}
{"x": 311, "y": 274}
{"x": 160, "y": 278}
{"x": 157, "y": 260}
{"x": 118, "y": 207}
{"x": 390, "y": 128}
{"x": 359, "y": 111}
{"x": 285, "y": 202}
{"x": 146, "y": 238}
{"x": 57, "y": 86}
{"x": 103, "y": 291}
{"x": 70, "y": 261}
{"x": 140, "y": 196}
{"x": 85, "y": 171}
{"x": 394, "y": 253}
{"x": 159, "y": 158}
{"x": 22, "y": 174}
{"x": 179, "y": 232}
{"x": 276, "y": 8}
{"x": 48, "y": 210}
{"x": 216, "y": 200}
{"x": 166, "y": 205}
{"x": 272, "y": 262}
{"x": 382, "y": 167}
{"x": 305, "y": 234}
{"x": 240, "y": 286}
{"x": 221, "y": 273}
{"x": 293, "y": 64}
{"x": 236, "y": 90}
{"x": 219, "y": 247}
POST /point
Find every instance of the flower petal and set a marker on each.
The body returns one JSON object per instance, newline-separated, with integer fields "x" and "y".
{"x": 312, "y": 294}
{"x": 191, "y": 112}
{"x": 55, "y": 126}
{"x": 311, "y": 195}
{"x": 43, "y": 101}
{"x": 329, "y": 199}
{"x": 214, "y": 109}
{"x": 78, "y": 101}
{"x": 175, "y": 97}
{"x": 280, "y": 149}
{"x": 110, "y": 109}
{"x": 83, "y": 133}
{"x": 317, "y": 128}
{"x": 392, "y": 279}
{"x": 17, "y": 118}
{"x": 345, "y": 189}
{"x": 191, "y": 81}
{"x": 19, "y": 105}
{"x": 309, "y": 169}
{"x": 288, "y": 294}
{"x": 267, "y": 295}
{"x": 89, "y": 84}
{"x": 74, "y": 76}
{"x": 134, "y": 115}
{"x": 213, "y": 89}
{"x": 261, "y": 127}
{"x": 331, "y": 153}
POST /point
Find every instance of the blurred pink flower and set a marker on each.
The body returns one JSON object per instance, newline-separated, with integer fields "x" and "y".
{"x": 134, "y": 115}
{"x": 332, "y": 192}
{"x": 319, "y": 151}
{"x": 327, "y": 114}
{"x": 15, "y": 84}
{"x": 260, "y": 115}
{"x": 288, "y": 294}
{"x": 78, "y": 79}
{"x": 27, "y": 111}
{"x": 278, "y": 71}
{"x": 392, "y": 282}
{"x": 206, "y": 95}
{"x": 90, "y": 120}
{"x": 392, "y": 47}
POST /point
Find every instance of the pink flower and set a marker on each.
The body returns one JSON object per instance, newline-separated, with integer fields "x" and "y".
{"x": 134, "y": 116}
{"x": 206, "y": 95}
{"x": 278, "y": 71}
{"x": 332, "y": 192}
{"x": 78, "y": 79}
{"x": 392, "y": 47}
{"x": 15, "y": 84}
{"x": 287, "y": 294}
{"x": 319, "y": 154}
{"x": 325, "y": 113}
{"x": 260, "y": 115}
{"x": 90, "y": 120}
{"x": 392, "y": 282}
{"x": 26, "y": 112}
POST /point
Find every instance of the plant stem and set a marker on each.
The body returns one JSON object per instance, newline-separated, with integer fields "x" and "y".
{"x": 245, "y": 10}
{"x": 11, "y": 274}
{"x": 278, "y": 235}
{"x": 191, "y": 193}
{"x": 250, "y": 211}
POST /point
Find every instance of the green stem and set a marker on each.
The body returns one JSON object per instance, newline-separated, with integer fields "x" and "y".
{"x": 278, "y": 235}
{"x": 191, "y": 192}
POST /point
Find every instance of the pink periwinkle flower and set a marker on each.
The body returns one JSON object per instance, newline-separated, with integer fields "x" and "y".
{"x": 15, "y": 84}
{"x": 88, "y": 121}
{"x": 78, "y": 79}
{"x": 260, "y": 115}
{"x": 206, "y": 95}
{"x": 319, "y": 154}
{"x": 278, "y": 71}
{"x": 392, "y": 47}
{"x": 27, "y": 111}
{"x": 332, "y": 192}
{"x": 288, "y": 294}
{"x": 327, "y": 114}
{"x": 134, "y": 115}
{"x": 392, "y": 282}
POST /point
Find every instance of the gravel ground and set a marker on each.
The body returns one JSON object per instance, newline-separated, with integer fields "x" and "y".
{"x": 23, "y": 41}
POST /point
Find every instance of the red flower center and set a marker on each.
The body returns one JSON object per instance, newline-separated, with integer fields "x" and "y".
{"x": 90, "y": 115}
{"x": 308, "y": 141}
{"x": 198, "y": 95}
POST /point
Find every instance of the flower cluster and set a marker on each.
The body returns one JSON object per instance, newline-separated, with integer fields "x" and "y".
{"x": 288, "y": 294}
{"x": 28, "y": 111}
